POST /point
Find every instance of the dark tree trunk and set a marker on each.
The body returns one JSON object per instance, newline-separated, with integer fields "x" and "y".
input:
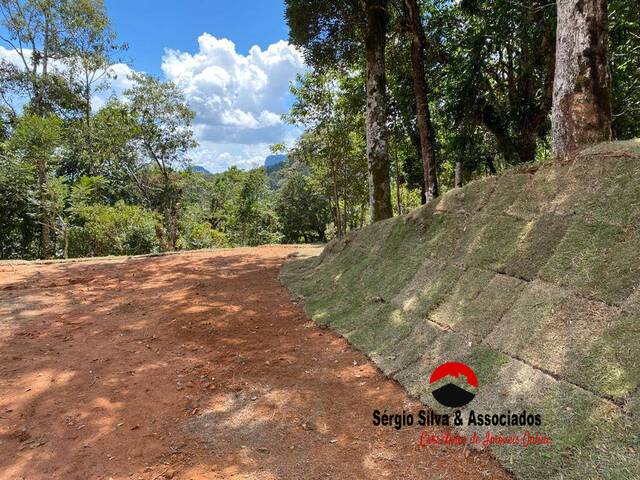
{"x": 377, "y": 152}
{"x": 458, "y": 173}
{"x": 397, "y": 172}
{"x": 418, "y": 43}
{"x": 39, "y": 108}
{"x": 44, "y": 217}
{"x": 491, "y": 166}
{"x": 581, "y": 96}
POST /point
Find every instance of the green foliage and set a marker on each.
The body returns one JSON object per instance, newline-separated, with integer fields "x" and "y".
{"x": 18, "y": 226}
{"x": 71, "y": 33}
{"x": 497, "y": 66}
{"x": 163, "y": 120}
{"x": 35, "y": 137}
{"x": 333, "y": 147}
{"x": 624, "y": 51}
{"x": 200, "y": 235}
{"x": 197, "y": 232}
{"x": 488, "y": 64}
{"x": 303, "y": 211}
{"x": 254, "y": 221}
{"x": 328, "y": 31}
{"x": 120, "y": 229}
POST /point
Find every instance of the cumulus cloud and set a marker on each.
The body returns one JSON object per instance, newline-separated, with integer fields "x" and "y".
{"x": 11, "y": 56}
{"x": 218, "y": 157}
{"x": 237, "y": 98}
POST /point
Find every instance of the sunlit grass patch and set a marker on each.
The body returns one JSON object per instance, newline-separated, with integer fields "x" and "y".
{"x": 468, "y": 199}
{"x": 506, "y": 191}
{"x": 460, "y": 298}
{"x": 486, "y": 310}
{"x": 520, "y": 326}
{"x": 591, "y": 438}
{"x": 599, "y": 260}
{"x": 489, "y": 241}
{"x": 615, "y": 198}
{"x": 442, "y": 236}
{"x": 531, "y": 278}
{"x": 536, "y": 244}
{"x": 537, "y": 195}
{"x": 581, "y": 341}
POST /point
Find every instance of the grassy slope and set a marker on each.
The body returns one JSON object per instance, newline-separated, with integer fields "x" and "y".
{"x": 532, "y": 278}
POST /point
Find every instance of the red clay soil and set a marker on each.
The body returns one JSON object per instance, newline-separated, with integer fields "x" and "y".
{"x": 192, "y": 366}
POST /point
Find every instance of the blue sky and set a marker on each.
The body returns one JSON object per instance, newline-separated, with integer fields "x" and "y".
{"x": 231, "y": 59}
{"x": 150, "y": 26}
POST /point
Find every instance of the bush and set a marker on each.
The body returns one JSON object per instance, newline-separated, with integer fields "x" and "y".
{"x": 120, "y": 229}
{"x": 195, "y": 235}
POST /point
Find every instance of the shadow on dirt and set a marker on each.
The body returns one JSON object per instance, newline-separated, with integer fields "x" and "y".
{"x": 190, "y": 366}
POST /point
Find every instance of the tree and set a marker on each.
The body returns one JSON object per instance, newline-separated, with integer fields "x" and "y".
{"x": 302, "y": 208}
{"x": 35, "y": 140}
{"x": 581, "y": 96}
{"x": 164, "y": 136}
{"x": 377, "y": 147}
{"x": 88, "y": 68}
{"x": 254, "y": 220}
{"x": 337, "y": 34}
{"x": 18, "y": 221}
{"x": 330, "y": 106}
{"x": 48, "y": 37}
{"x": 624, "y": 55}
{"x": 495, "y": 67}
{"x": 418, "y": 44}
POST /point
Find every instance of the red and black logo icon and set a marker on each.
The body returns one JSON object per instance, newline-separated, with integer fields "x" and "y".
{"x": 452, "y": 395}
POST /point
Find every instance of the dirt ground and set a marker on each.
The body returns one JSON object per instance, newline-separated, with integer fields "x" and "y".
{"x": 192, "y": 366}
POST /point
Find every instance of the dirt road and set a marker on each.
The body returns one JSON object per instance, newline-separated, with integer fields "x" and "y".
{"x": 192, "y": 366}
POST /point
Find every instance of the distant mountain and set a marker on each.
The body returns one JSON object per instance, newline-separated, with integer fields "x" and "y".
{"x": 274, "y": 160}
{"x": 199, "y": 169}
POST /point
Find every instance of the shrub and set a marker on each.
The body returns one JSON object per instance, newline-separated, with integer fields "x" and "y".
{"x": 120, "y": 229}
{"x": 195, "y": 235}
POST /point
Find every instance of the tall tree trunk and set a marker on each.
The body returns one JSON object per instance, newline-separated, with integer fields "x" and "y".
{"x": 418, "y": 43}
{"x": 396, "y": 163}
{"x": 377, "y": 154}
{"x": 44, "y": 217}
{"x": 491, "y": 166}
{"x": 41, "y": 85}
{"x": 581, "y": 97}
{"x": 336, "y": 200}
{"x": 458, "y": 175}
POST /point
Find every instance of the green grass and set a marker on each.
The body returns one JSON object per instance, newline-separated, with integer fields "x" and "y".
{"x": 533, "y": 279}
{"x": 536, "y": 244}
{"x": 598, "y": 260}
{"x": 489, "y": 241}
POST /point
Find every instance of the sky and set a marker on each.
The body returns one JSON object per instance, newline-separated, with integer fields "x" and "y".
{"x": 231, "y": 59}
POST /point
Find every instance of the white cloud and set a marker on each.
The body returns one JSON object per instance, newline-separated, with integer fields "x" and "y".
{"x": 217, "y": 157}
{"x": 11, "y": 56}
{"x": 238, "y": 98}
{"x": 117, "y": 80}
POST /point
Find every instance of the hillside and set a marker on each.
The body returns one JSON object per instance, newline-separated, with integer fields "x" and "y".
{"x": 532, "y": 279}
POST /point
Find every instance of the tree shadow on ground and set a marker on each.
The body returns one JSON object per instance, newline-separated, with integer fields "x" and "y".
{"x": 191, "y": 366}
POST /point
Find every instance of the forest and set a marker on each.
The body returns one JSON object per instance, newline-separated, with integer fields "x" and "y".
{"x": 401, "y": 101}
